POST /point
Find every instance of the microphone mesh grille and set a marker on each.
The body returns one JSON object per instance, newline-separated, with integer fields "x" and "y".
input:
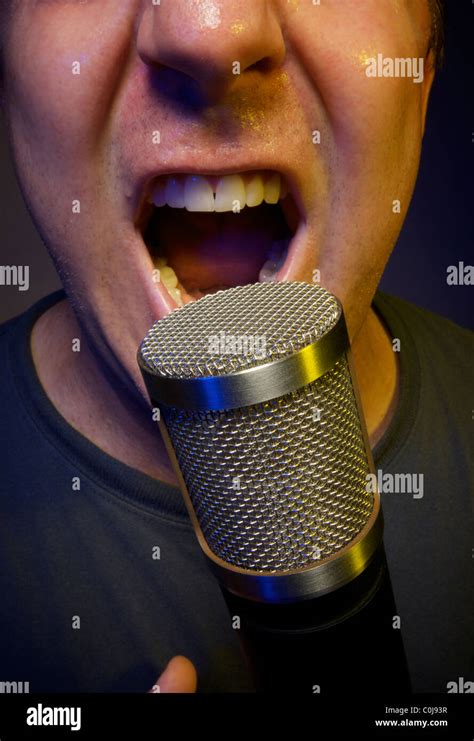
{"x": 278, "y": 485}
{"x": 302, "y": 483}
{"x": 288, "y": 316}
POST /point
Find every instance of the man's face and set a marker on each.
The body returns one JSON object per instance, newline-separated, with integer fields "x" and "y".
{"x": 158, "y": 93}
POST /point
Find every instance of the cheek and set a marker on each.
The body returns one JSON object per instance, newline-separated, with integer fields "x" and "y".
{"x": 335, "y": 42}
{"x": 371, "y": 126}
{"x": 62, "y": 73}
{"x": 58, "y": 118}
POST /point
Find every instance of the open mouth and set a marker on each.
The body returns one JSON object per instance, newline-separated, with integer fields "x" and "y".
{"x": 205, "y": 233}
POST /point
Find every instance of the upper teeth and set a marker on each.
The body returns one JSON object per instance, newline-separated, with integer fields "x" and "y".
{"x": 227, "y": 193}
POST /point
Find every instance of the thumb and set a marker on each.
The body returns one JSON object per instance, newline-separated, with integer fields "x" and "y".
{"x": 179, "y": 676}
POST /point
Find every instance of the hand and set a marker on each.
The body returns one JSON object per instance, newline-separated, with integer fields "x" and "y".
{"x": 179, "y": 676}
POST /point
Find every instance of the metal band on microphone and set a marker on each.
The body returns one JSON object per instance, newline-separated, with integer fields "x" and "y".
{"x": 252, "y": 385}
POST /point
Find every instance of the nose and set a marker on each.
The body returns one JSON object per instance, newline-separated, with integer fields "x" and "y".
{"x": 209, "y": 44}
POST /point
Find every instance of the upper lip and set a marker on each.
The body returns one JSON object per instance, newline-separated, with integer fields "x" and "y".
{"x": 149, "y": 178}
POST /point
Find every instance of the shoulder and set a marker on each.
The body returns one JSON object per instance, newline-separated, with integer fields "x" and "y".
{"x": 24, "y": 322}
{"x": 436, "y": 379}
{"x": 16, "y": 360}
{"x": 437, "y": 339}
{"x": 11, "y": 330}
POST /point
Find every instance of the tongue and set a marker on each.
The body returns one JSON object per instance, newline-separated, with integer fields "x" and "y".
{"x": 211, "y": 250}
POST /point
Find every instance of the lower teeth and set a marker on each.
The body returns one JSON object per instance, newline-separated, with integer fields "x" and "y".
{"x": 268, "y": 272}
{"x": 175, "y": 294}
{"x": 276, "y": 258}
{"x": 168, "y": 278}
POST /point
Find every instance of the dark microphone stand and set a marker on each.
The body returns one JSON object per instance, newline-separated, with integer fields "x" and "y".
{"x": 337, "y": 643}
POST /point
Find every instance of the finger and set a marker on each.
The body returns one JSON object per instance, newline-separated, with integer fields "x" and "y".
{"x": 179, "y": 676}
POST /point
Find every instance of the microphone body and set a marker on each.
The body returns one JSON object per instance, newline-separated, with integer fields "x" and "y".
{"x": 341, "y": 643}
{"x": 261, "y": 417}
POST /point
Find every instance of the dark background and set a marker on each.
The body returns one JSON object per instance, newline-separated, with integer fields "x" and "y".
{"x": 438, "y": 231}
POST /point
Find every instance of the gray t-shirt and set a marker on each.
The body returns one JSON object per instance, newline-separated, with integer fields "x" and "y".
{"x": 87, "y": 605}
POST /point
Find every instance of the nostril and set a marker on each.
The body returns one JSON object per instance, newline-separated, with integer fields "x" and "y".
{"x": 177, "y": 88}
{"x": 263, "y": 65}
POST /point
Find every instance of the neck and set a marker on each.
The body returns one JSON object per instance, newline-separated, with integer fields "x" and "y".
{"x": 121, "y": 426}
{"x": 377, "y": 375}
{"x": 76, "y": 384}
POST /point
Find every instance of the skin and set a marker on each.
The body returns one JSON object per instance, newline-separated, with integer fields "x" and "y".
{"x": 89, "y": 137}
{"x": 179, "y": 676}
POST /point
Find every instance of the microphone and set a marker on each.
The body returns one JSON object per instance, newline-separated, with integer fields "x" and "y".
{"x": 261, "y": 417}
